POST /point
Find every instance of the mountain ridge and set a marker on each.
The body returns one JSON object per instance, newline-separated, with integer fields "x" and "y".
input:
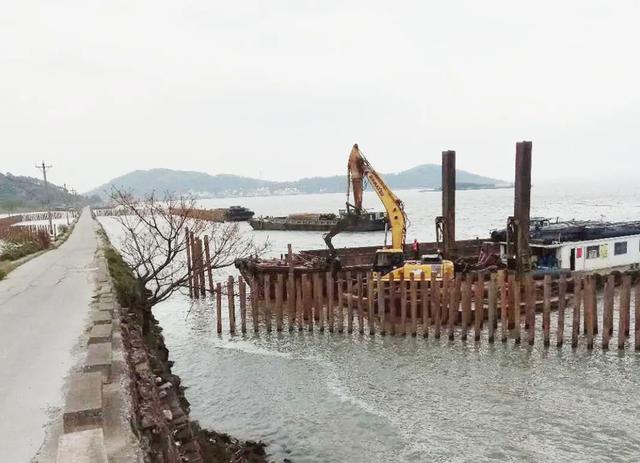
{"x": 201, "y": 184}
{"x": 22, "y": 193}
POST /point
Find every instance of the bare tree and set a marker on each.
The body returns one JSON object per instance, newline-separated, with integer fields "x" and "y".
{"x": 154, "y": 243}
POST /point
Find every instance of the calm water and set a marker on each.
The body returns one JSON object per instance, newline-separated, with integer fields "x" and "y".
{"x": 335, "y": 398}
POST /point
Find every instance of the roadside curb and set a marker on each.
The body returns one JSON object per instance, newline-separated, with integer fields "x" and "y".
{"x": 87, "y": 423}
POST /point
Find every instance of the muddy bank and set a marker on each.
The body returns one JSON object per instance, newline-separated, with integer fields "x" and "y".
{"x": 160, "y": 408}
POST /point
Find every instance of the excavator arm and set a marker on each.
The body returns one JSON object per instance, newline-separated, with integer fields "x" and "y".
{"x": 359, "y": 169}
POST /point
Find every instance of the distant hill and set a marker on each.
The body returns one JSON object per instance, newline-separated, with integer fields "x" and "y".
{"x": 142, "y": 182}
{"x": 24, "y": 193}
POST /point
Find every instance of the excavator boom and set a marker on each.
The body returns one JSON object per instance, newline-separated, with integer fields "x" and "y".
{"x": 359, "y": 169}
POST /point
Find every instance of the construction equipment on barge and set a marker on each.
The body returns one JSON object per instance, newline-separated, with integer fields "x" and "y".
{"x": 390, "y": 261}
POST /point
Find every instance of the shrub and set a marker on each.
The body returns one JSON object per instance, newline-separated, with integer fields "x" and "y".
{"x": 22, "y": 244}
{"x": 126, "y": 286}
{"x": 3, "y": 274}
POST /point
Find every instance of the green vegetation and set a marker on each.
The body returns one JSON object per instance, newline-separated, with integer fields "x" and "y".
{"x": 124, "y": 282}
{"x": 22, "y": 245}
{"x": 3, "y": 273}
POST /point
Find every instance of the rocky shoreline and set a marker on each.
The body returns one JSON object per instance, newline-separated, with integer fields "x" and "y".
{"x": 159, "y": 407}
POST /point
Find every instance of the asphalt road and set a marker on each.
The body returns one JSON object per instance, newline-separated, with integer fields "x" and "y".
{"x": 44, "y": 308}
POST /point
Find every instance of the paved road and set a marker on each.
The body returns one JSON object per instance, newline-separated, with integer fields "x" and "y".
{"x": 44, "y": 307}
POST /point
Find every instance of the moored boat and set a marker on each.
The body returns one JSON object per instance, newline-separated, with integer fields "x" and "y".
{"x": 363, "y": 222}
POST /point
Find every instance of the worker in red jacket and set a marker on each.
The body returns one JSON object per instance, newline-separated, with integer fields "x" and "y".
{"x": 415, "y": 247}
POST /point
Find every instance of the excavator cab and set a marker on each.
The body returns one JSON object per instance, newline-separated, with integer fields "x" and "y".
{"x": 391, "y": 262}
{"x": 387, "y": 260}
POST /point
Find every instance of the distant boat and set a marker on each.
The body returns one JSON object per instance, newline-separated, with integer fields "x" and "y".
{"x": 365, "y": 222}
{"x": 238, "y": 214}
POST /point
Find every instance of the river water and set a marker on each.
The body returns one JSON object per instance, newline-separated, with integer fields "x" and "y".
{"x": 316, "y": 397}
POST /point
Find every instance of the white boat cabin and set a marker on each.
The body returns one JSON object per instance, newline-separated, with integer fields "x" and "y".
{"x": 607, "y": 253}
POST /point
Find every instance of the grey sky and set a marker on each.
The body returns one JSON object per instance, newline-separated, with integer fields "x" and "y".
{"x": 282, "y": 89}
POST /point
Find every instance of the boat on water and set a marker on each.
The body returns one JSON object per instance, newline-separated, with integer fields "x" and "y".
{"x": 363, "y": 222}
{"x": 579, "y": 245}
{"x": 238, "y": 214}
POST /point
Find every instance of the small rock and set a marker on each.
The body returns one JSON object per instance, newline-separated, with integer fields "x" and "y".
{"x": 167, "y": 414}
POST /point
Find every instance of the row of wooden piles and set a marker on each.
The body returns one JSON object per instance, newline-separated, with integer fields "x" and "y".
{"x": 475, "y": 305}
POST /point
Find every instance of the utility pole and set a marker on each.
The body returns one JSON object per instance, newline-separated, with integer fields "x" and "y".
{"x": 66, "y": 203}
{"x": 46, "y": 189}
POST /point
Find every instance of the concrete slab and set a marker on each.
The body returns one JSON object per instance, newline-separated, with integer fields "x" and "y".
{"x": 83, "y": 404}
{"x": 100, "y": 334}
{"x": 101, "y": 317}
{"x": 99, "y": 358}
{"x": 107, "y": 306}
{"x": 82, "y": 447}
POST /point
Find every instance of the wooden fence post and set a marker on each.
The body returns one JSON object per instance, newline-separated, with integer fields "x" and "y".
{"x": 403, "y": 305}
{"x": 546, "y": 310}
{"x": 503, "y": 282}
{"x": 381, "y": 305}
{"x": 392, "y": 305}
{"x": 562, "y": 303}
{"x": 515, "y": 285}
{"x": 330, "y": 295}
{"x": 300, "y": 304}
{"x": 414, "y": 305}
{"x": 454, "y": 303}
{"x": 444, "y": 302}
{"x": 279, "y": 301}
{"x": 242, "y": 289}
{"x": 466, "y": 306}
{"x": 349, "y": 303}
{"x": 291, "y": 289}
{"x": 426, "y": 297}
{"x": 589, "y": 310}
{"x": 531, "y": 308}
{"x": 189, "y": 263}
{"x": 321, "y": 305}
{"x": 493, "y": 302}
{"x": 607, "y": 315}
{"x": 371, "y": 304}
{"x": 340, "y": 303}
{"x": 307, "y": 295}
{"x": 207, "y": 254}
{"x": 291, "y": 302}
{"x": 625, "y": 303}
{"x": 232, "y": 305}
{"x": 577, "y": 300}
{"x": 203, "y": 283}
{"x": 478, "y": 313}
{"x": 194, "y": 266}
{"x": 626, "y": 284}
{"x": 219, "y": 307}
{"x": 360, "y": 304}
{"x": 267, "y": 301}
{"x": 255, "y": 295}
{"x": 436, "y": 309}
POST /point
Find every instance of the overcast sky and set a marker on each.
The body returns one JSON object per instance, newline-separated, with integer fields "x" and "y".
{"x": 282, "y": 89}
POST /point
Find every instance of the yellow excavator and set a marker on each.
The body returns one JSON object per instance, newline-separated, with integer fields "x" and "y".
{"x": 389, "y": 260}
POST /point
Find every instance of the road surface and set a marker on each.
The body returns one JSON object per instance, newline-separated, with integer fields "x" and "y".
{"x": 44, "y": 308}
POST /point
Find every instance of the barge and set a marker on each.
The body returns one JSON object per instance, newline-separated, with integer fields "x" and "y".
{"x": 579, "y": 245}
{"x": 364, "y": 222}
